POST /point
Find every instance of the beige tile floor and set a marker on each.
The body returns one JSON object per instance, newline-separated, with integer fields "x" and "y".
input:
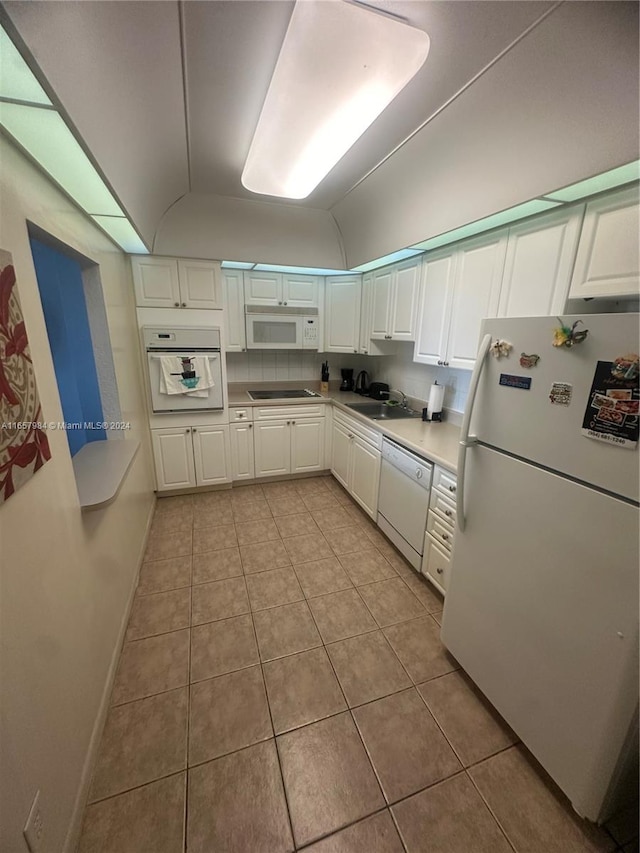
{"x": 283, "y": 686}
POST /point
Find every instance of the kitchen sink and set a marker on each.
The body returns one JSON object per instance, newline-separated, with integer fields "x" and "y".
{"x": 382, "y": 412}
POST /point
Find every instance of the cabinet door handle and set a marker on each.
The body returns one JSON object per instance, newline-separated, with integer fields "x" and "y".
{"x": 350, "y": 435}
{"x": 288, "y": 423}
{"x": 280, "y": 302}
{"x": 452, "y": 488}
{"x": 439, "y": 362}
{"x": 187, "y": 429}
{"x": 293, "y": 422}
{"x": 448, "y": 512}
{"x": 446, "y": 363}
{"x": 439, "y": 571}
{"x": 366, "y": 352}
{"x": 250, "y": 426}
{"x": 445, "y": 536}
{"x": 184, "y": 304}
{"x": 194, "y": 429}
{"x": 177, "y": 304}
{"x": 355, "y": 350}
{"x": 284, "y": 303}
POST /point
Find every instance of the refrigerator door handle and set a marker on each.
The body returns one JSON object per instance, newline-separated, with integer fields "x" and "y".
{"x": 467, "y": 440}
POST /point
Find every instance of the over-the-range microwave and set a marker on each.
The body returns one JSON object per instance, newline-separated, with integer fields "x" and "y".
{"x": 283, "y": 327}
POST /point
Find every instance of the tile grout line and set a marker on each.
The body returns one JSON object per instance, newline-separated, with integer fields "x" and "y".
{"x": 273, "y": 729}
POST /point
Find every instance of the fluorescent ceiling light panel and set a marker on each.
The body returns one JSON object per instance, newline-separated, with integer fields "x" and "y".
{"x": 45, "y": 136}
{"x": 122, "y": 231}
{"x": 16, "y": 78}
{"x": 393, "y": 258}
{"x": 298, "y": 270}
{"x": 340, "y": 65}
{"x": 605, "y": 181}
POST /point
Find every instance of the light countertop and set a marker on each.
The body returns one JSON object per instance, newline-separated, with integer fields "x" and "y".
{"x": 435, "y": 441}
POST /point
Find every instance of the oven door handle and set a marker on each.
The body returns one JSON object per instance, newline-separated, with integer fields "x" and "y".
{"x": 165, "y": 354}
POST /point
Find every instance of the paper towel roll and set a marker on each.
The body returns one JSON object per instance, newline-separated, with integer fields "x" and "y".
{"x": 436, "y": 396}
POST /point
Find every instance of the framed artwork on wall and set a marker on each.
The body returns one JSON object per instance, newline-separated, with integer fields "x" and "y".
{"x": 24, "y": 447}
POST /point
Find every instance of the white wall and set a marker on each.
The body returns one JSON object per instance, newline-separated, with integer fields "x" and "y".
{"x": 65, "y": 577}
{"x": 561, "y": 106}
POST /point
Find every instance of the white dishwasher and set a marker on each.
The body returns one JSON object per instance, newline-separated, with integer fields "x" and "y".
{"x": 403, "y": 502}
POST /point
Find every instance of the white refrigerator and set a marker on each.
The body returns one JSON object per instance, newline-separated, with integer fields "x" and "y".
{"x": 542, "y": 605}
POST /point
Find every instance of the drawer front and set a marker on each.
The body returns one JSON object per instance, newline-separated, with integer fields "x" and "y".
{"x": 443, "y": 507}
{"x": 280, "y": 413}
{"x": 446, "y": 482}
{"x": 238, "y": 414}
{"x": 372, "y": 436}
{"x": 436, "y": 564}
{"x": 440, "y": 530}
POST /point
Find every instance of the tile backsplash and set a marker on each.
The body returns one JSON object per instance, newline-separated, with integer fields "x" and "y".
{"x": 287, "y": 365}
{"x": 398, "y": 370}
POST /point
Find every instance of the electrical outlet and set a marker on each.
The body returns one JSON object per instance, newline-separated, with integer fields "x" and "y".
{"x": 34, "y": 827}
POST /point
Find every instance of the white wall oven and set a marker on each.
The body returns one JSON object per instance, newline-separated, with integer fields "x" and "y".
{"x": 184, "y": 368}
{"x": 281, "y": 328}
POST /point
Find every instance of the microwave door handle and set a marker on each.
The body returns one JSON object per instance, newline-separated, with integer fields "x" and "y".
{"x": 467, "y": 440}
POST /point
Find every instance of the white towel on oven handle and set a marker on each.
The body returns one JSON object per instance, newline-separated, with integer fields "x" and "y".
{"x": 171, "y": 376}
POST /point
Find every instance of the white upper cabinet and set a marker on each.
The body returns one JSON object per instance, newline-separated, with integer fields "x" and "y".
{"x": 476, "y": 292}
{"x": 174, "y": 283}
{"x": 607, "y": 260}
{"x": 342, "y": 313}
{"x": 366, "y": 345}
{"x": 236, "y": 333}
{"x": 460, "y": 286}
{"x": 301, "y": 291}
{"x": 156, "y": 282}
{"x": 540, "y": 257}
{"x": 381, "y": 304}
{"x": 394, "y": 301}
{"x": 434, "y": 309}
{"x": 274, "y": 288}
{"x": 199, "y": 284}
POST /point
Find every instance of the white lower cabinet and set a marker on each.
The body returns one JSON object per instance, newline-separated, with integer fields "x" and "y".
{"x": 292, "y": 444}
{"x": 242, "y": 455}
{"x": 436, "y": 564}
{"x": 356, "y": 460}
{"x": 439, "y": 536}
{"x": 272, "y": 444}
{"x": 191, "y": 456}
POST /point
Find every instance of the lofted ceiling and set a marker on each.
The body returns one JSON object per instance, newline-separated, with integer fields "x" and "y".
{"x": 166, "y": 95}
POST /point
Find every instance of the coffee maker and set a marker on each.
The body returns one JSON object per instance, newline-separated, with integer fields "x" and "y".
{"x": 347, "y": 379}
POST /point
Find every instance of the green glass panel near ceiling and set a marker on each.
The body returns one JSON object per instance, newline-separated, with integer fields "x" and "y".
{"x": 600, "y": 183}
{"x": 400, "y": 255}
{"x": 122, "y": 231}
{"x": 298, "y": 270}
{"x": 16, "y": 79}
{"x": 237, "y": 265}
{"x": 45, "y": 136}
{"x": 521, "y": 211}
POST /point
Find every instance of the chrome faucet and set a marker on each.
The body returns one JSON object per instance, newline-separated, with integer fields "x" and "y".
{"x": 404, "y": 403}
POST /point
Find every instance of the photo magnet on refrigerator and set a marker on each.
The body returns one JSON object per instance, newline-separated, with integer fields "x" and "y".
{"x": 614, "y": 399}
{"x": 561, "y": 393}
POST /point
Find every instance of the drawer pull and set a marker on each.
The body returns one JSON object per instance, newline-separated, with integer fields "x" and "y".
{"x": 445, "y": 536}
{"x": 452, "y": 488}
{"x": 448, "y": 512}
{"x": 439, "y": 570}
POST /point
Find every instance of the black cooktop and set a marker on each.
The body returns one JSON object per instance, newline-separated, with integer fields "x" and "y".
{"x": 287, "y": 394}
